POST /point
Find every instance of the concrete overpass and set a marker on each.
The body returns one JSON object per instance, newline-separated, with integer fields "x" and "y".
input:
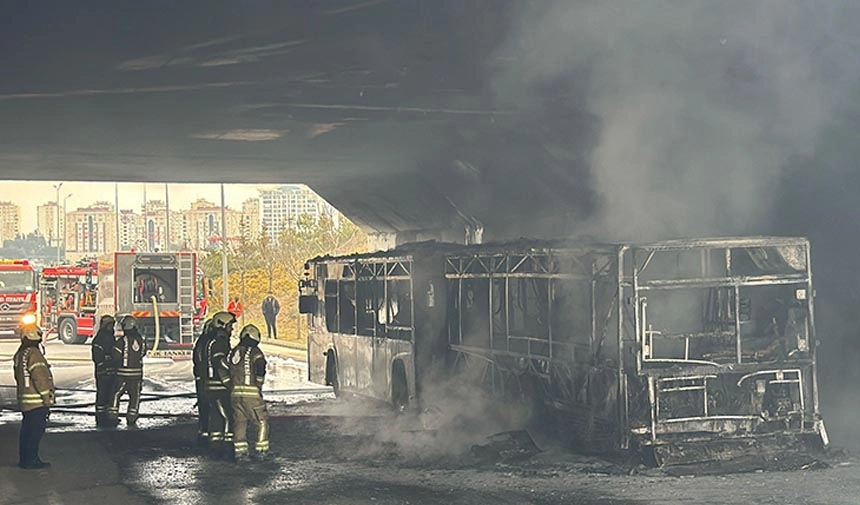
{"x": 421, "y": 118}
{"x": 390, "y": 109}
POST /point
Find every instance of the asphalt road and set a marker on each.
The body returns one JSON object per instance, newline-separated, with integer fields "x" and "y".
{"x": 328, "y": 451}
{"x": 168, "y": 383}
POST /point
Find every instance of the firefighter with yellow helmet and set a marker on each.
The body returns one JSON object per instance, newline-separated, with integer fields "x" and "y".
{"x": 247, "y": 372}
{"x": 130, "y": 349}
{"x": 218, "y": 384}
{"x": 35, "y": 396}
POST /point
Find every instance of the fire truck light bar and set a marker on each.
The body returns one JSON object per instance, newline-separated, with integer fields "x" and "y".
{"x": 14, "y": 262}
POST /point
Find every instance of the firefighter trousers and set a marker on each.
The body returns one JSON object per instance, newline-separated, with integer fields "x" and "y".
{"x": 132, "y": 386}
{"x": 32, "y": 429}
{"x": 249, "y": 409}
{"x": 220, "y": 418}
{"x": 202, "y": 410}
{"x": 105, "y": 384}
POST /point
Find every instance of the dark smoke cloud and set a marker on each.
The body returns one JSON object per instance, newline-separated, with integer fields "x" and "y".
{"x": 700, "y": 104}
{"x": 709, "y": 118}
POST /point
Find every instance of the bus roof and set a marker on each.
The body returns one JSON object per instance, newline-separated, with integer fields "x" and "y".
{"x": 583, "y": 245}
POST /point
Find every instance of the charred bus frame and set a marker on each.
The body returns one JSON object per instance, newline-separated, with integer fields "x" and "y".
{"x": 655, "y": 347}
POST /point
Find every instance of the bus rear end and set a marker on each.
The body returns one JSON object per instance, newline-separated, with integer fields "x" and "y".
{"x": 722, "y": 341}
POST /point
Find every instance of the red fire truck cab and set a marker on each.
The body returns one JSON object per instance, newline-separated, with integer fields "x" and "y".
{"x": 69, "y": 301}
{"x": 18, "y": 299}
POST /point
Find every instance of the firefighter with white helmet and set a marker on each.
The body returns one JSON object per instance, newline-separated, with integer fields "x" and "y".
{"x": 35, "y": 386}
{"x": 130, "y": 348}
{"x": 218, "y": 384}
{"x": 248, "y": 371}
{"x": 200, "y": 359}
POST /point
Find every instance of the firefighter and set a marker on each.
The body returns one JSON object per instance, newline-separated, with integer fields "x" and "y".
{"x": 247, "y": 371}
{"x": 35, "y": 396}
{"x": 201, "y": 381}
{"x": 103, "y": 354}
{"x": 130, "y": 349}
{"x": 218, "y": 381}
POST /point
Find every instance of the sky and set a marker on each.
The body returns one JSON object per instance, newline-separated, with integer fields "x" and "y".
{"x": 29, "y": 195}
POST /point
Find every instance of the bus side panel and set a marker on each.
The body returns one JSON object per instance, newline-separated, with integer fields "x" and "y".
{"x": 430, "y": 321}
{"x": 319, "y": 341}
{"x": 347, "y": 361}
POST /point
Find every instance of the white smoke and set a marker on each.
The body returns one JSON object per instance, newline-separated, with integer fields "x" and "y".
{"x": 701, "y": 103}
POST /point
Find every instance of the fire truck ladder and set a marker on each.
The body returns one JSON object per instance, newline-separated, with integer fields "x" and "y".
{"x": 186, "y": 298}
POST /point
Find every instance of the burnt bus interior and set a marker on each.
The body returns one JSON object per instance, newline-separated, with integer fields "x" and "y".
{"x": 725, "y": 339}
{"x": 378, "y": 323}
{"x": 539, "y": 321}
{"x": 644, "y": 347}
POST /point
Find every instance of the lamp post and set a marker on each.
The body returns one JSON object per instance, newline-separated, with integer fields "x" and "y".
{"x": 64, "y": 224}
{"x": 57, "y": 187}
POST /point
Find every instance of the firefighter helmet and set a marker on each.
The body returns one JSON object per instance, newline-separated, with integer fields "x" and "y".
{"x": 32, "y": 333}
{"x": 128, "y": 322}
{"x": 250, "y": 332}
{"x": 223, "y": 320}
{"x": 107, "y": 320}
{"x": 207, "y": 325}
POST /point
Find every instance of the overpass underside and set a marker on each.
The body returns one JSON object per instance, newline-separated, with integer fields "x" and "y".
{"x": 405, "y": 115}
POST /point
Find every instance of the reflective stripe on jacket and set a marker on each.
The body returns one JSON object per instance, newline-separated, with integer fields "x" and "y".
{"x": 247, "y": 371}
{"x": 130, "y": 350}
{"x": 33, "y": 377}
{"x": 219, "y": 373}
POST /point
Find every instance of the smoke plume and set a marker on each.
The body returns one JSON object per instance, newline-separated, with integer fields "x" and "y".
{"x": 700, "y": 104}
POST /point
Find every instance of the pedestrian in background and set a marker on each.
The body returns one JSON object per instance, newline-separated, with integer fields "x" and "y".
{"x": 103, "y": 355}
{"x": 235, "y": 308}
{"x": 35, "y": 387}
{"x": 271, "y": 307}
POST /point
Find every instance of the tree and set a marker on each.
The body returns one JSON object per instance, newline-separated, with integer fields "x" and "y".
{"x": 260, "y": 265}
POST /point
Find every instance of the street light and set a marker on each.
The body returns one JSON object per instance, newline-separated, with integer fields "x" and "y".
{"x": 57, "y": 187}
{"x": 64, "y": 224}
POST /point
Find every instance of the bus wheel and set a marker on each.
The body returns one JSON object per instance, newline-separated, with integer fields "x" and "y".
{"x": 68, "y": 331}
{"x": 399, "y": 388}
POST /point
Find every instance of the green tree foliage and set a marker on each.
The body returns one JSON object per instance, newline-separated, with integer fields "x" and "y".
{"x": 257, "y": 265}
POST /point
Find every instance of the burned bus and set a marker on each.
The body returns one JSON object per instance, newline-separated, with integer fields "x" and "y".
{"x": 684, "y": 350}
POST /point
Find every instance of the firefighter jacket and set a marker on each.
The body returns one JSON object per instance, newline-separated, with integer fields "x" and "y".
{"x": 247, "y": 366}
{"x": 34, "y": 379}
{"x": 130, "y": 350}
{"x": 105, "y": 355}
{"x": 219, "y": 373}
{"x": 200, "y": 358}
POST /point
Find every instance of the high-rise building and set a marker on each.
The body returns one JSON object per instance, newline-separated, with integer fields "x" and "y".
{"x": 90, "y": 231}
{"x": 155, "y": 229}
{"x": 203, "y": 224}
{"x": 251, "y": 218}
{"x": 281, "y": 208}
{"x": 46, "y": 223}
{"x": 10, "y": 221}
{"x": 131, "y": 230}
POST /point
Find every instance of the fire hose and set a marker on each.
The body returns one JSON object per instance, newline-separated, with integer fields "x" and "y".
{"x": 157, "y": 324}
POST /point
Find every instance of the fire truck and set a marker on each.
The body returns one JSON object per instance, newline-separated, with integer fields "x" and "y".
{"x": 69, "y": 301}
{"x": 18, "y": 300}
{"x": 166, "y": 292}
